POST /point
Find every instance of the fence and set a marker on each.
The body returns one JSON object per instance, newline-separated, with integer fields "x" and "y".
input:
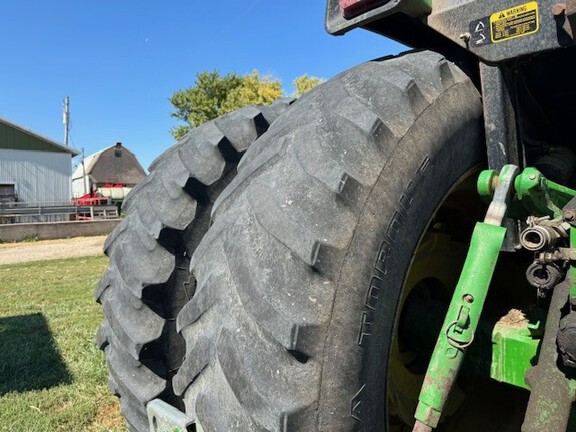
{"x": 25, "y": 212}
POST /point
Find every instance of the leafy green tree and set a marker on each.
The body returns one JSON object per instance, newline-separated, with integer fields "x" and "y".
{"x": 255, "y": 90}
{"x": 213, "y": 95}
{"x": 202, "y": 101}
{"x": 305, "y": 83}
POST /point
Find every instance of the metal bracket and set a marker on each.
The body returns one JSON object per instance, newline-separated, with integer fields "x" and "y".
{"x": 499, "y": 118}
{"x": 502, "y": 195}
{"x": 163, "y": 417}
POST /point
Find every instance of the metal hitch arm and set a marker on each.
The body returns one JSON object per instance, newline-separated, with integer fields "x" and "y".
{"x": 466, "y": 306}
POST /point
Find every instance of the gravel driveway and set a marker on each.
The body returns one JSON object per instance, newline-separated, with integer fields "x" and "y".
{"x": 13, "y": 253}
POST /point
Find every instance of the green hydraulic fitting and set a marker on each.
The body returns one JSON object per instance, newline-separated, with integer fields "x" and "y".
{"x": 466, "y": 305}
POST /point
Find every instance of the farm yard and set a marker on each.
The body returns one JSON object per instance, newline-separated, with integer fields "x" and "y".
{"x": 52, "y": 375}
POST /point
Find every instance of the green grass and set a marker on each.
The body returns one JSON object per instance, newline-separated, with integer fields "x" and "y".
{"x": 52, "y": 375}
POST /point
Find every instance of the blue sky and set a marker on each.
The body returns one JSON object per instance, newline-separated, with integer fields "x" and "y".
{"x": 120, "y": 60}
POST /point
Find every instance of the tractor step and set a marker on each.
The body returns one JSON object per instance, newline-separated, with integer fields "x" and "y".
{"x": 163, "y": 417}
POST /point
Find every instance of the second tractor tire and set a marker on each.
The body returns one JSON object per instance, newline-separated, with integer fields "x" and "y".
{"x": 148, "y": 279}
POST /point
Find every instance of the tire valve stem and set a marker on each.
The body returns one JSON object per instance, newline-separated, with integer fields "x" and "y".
{"x": 466, "y": 306}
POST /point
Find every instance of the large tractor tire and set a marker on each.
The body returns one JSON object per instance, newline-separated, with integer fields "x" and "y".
{"x": 303, "y": 273}
{"x": 148, "y": 279}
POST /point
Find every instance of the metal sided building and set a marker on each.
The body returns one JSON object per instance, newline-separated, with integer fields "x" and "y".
{"x": 34, "y": 170}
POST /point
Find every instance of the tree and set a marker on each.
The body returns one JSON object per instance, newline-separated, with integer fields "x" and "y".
{"x": 202, "y": 101}
{"x": 253, "y": 91}
{"x": 305, "y": 83}
{"x": 213, "y": 95}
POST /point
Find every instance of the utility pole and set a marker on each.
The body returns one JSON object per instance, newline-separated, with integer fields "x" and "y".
{"x": 84, "y": 178}
{"x": 66, "y": 119}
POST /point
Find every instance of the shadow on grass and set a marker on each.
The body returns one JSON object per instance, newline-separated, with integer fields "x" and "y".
{"x": 29, "y": 359}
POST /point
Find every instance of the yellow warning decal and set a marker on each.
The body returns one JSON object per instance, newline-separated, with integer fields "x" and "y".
{"x": 514, "y": 22}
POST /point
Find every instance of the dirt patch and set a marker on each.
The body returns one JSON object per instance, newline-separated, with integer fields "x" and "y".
{"x": 14, "y": 253}
{"x": 514, "y": 318}
{"x": 107, "y": 416}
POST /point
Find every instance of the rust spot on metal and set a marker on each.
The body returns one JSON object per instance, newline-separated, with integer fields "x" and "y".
{"x": 494, "y": 185}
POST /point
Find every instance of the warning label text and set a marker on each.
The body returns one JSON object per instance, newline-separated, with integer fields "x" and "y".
{"x": 514, "y": 22}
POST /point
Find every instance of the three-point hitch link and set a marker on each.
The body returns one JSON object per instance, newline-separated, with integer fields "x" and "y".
{"x": 466, "y": 306}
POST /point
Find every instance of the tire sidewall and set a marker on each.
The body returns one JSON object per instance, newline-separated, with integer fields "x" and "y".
{"x": 440, "y": 148}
